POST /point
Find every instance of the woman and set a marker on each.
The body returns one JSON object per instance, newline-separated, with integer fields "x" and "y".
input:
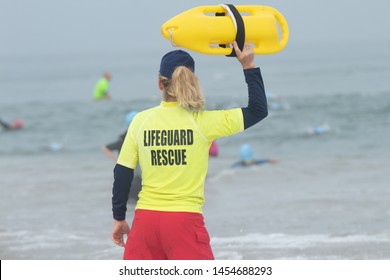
{"x": 171, "y": 143}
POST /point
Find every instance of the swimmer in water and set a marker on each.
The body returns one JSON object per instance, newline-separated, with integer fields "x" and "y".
{"x": 213, "y": 151}
{"x": 247, "y": 158}
{"x": 15, "y": 125}
{"x": 117, "y": 145}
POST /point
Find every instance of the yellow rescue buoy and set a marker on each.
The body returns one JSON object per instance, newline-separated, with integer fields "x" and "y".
{"x": 212, "y": 29}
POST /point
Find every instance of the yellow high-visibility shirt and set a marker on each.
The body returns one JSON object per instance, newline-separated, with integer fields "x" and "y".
{"x": 171, "y": 145}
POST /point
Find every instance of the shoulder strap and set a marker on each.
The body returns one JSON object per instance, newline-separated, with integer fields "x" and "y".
{"x": 238, "y": 23}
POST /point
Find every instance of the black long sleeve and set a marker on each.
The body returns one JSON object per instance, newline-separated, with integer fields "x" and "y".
{"x": 123, "y": 177}
{"x": 257, "y": 108}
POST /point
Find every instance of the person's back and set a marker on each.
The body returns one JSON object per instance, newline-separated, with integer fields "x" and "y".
{"x": 177, "y": 141}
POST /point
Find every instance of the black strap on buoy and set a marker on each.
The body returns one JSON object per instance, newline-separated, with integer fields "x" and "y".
{"x": 240, "y": 35}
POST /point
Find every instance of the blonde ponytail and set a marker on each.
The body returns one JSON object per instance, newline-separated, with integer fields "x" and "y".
{"x": 185, "y": 87}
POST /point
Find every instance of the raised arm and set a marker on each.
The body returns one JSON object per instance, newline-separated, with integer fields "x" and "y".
{"x": 257, "y": 108}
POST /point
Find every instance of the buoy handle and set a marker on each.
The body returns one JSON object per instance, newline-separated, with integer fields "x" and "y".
{"x": 284, "y": 28}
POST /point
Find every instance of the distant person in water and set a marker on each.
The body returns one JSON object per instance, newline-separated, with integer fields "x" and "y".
{"x": 213, "y": 151}
{"x": 117, "y": 145}
{"x": 247, "y": 158}
{"x": 318, "y": 130}
{"x": 114, "y": 146}
{"x": 101, "y": 88}
{"x": 15, "y": 125}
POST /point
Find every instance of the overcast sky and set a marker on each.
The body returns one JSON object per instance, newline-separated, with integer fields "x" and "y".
{"x": 58, "y": 26}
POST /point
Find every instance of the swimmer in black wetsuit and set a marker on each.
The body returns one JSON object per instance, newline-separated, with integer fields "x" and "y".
{"x": 17, "y": 124}
{"x": 114, "y": 146}
{"x": 117, "y": 145}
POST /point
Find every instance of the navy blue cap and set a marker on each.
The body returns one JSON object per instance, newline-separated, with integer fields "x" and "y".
{"x": 173, "y": 59}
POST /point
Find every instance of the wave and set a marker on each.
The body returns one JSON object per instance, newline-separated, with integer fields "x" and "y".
{"x": 282, "y": 241}
{"x": 302, "y": 247}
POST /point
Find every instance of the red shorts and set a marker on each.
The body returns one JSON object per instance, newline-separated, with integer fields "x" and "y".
{"x": 157, "y": 235}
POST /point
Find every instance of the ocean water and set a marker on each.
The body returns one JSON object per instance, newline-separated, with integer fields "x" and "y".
{"x": 326, "y": 197}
